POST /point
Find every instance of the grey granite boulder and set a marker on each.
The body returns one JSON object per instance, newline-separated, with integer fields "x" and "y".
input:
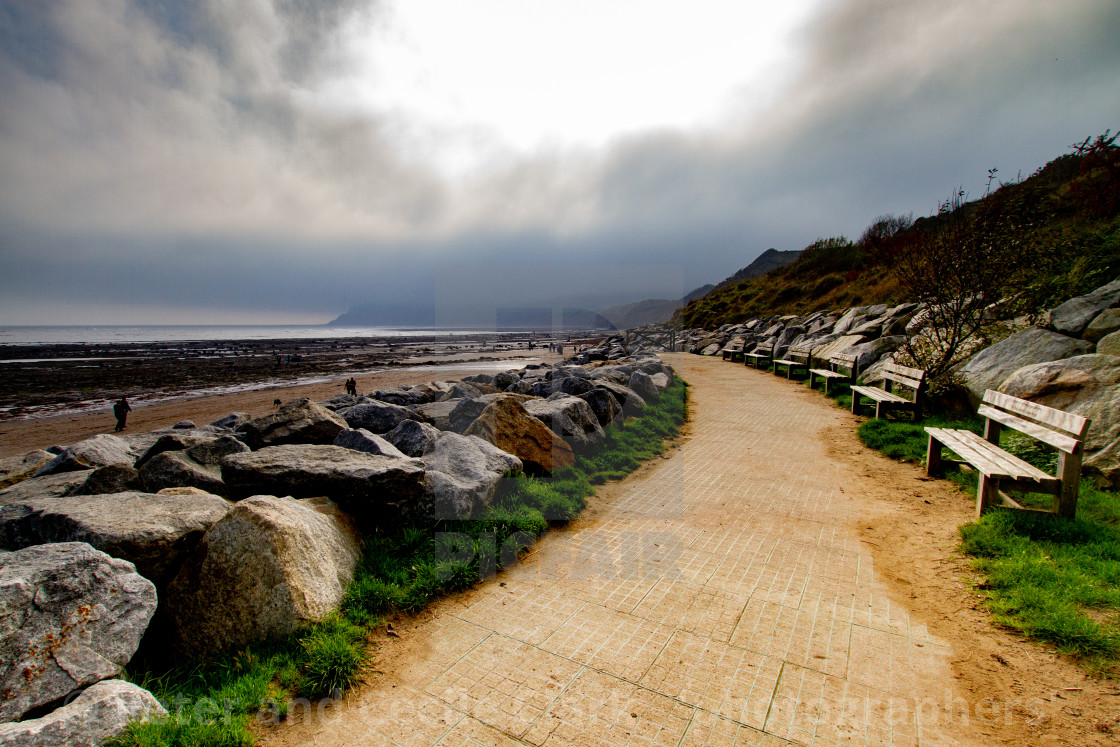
{"x": 868, "y": 353}
{"x": 96, "y": 451}
{"x": 508, "y": 425}
{"x": 461, "y": 390}
{"x": 233, "y": 421}
{"x": 641, "y": 383}
{"x": 153, "y": 532}
{"x": 631, "y": 403}
{"x": 362, "y": 440}
{"x": 376, "y": 417}
{"x": 268, "y": 568}
{"x": 405, "y": 397}
{"x": 465, "y": 412}
{"x": 505, "y": 380}
{"x": 94, "y": 716}
{"x": 115, "y": 478}
{"x": 1085, "y": 385}
{"x": 439, "y": 413}
{"x": 73, "y": 616}
{"x": 213, "y": 451}
{"x": 1109, "y": 344}
{"x": 19, "y": 468}
{"x": 463, "y": 473}
{"x": 1104, "y": 323}
{"x": 171, "y": 442}
{"x": 990, "y": 367}
{"x": 51, "y": 486}
{"x": 569, "y": 417}
{"x": 370, "y": 486}
{"x": 298, "y": 421}
{"x": 606, "y": 408}
{"x": 412, "y": 438}
{"x": 574, "y": 385}
{"x": 175, "y": 469}
{"x": 1072, "y": 317}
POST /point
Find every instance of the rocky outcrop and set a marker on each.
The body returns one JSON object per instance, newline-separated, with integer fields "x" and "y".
{"x": 95, "y": 716}
{"x": 376, "y": 417}
{"x": 463, "y": 473}
{"x": 299, "y": 421}
{"x": 990, "y": 367}
{"x": 362, "y": 440}
{"x": 606, "y": 408}
{"x": 73, "y": 616}
{"x": 412, "y": 438}
{"x": 509, "y": 426}
{"x": 1073, "y": 316}
{"x": 213, "y": 451}
{"x": 1085, "y": 385}
{"x": 371, "y": 486}
{"x": 51, "y": 486}
{"x": 1103, "y": 324}
{"x": 97, "y": 451}
{"x": 570, "y": 417}
{"x": 153, "y": 532}
{"x": 1109, "y": 344}
{"x": 268, "y": 568}
{"x": 641, "y": 383}
{"x": 116, "y": 478}
{"x": 439, "y": 413}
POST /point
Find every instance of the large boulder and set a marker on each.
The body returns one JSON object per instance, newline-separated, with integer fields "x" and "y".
{"x": 1103, "y": 324}
{"x": 570, "y": 417}
{"x": 1086, "y": 385}
{"x": 991, "y": 366}
{"x": 115, "y": 478}
{"x": 175, "y": 469}
{"x": 630, "y": 401}
{"x": 463, "y": 473}
{"x": 1072, "y": 317}
{"x": 606, "y": 408}
{"x": 233, "y": 421}
{"x": 438, "y": 412}
{"x": 177, "y": 441}
{"x": 213, "y": 451}
{"x": 412, "y": 438}
{"x": 96, "y": 451}
{"x": 72, "y": 616}
{"x": 51, "y": 486}
{"x": 465, "y": 412}
{"x": 509, "y": 426}
{"x": 376, "y": 417}
{"x": 18, "y": 468}
{"x": 868, "y": 353}
{"x": 825, "y": 348}
{"x": 268, "y": 568}
{"x": 360, "y": 439}
{"x": 404, "y": 397}
{"x": 153, "y": 532}
{"x": 1109, "y": 344}
{"x": 461, "y": 390}
{"x": 641, "y": 383}
{"x": 96, "y": 715}
{"x": 298, "y": 421}
{"x": 371, "y": 486}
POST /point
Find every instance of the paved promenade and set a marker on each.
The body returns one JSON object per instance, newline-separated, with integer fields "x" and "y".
{"x": 719, "y": 597}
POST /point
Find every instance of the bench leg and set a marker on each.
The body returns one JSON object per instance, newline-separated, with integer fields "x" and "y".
{"x": 855, "y": 401}
{"x": 986, "y": 495}
{"x": 879, "y": 410}
{"x": 1069, "y": 470}
{"x": 933, "y": 457}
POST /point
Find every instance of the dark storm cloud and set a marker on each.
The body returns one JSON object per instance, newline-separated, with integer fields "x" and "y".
{"x": 174, "y": 150}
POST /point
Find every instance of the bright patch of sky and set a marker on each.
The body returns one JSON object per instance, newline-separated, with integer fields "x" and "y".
{"x": 469, "y": 82}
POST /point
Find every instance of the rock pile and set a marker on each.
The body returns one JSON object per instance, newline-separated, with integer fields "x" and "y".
{"x": 246, "y": 529}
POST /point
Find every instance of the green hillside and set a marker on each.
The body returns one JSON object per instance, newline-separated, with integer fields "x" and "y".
{"x": 1037, "y": 241}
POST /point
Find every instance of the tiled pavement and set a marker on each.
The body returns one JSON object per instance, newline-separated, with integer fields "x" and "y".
{"x": 722, "y": 598}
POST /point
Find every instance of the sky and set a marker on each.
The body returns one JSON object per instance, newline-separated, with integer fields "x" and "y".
{"x": 279, "y": 161}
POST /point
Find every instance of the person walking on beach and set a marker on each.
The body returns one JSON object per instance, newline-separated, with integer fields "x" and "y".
{"x": 352, "y": 387}
{"x": 121, "y": 410}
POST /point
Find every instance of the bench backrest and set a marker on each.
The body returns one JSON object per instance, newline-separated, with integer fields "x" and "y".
{"x": 764, "y": 348}
{"x": 845, "y": 364}
{"x": 800, "y": 353}
{"x": 1062, "y": 430}
{"x": 914, "y": 379}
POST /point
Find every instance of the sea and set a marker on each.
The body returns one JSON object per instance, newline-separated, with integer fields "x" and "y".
{"x": 100, "y": 335}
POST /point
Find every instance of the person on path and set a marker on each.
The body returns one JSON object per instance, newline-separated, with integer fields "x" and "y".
{"x": 352, "y": 387}
{"x": 121, "y": 410}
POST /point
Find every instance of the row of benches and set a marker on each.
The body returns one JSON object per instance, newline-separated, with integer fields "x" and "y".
{"x": 999, "y": 470}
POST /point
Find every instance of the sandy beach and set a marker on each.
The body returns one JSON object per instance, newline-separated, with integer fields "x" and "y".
{"x": 18, "y": 436}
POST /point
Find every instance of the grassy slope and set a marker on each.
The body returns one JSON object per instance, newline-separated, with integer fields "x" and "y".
{"x": 213, "y": 704}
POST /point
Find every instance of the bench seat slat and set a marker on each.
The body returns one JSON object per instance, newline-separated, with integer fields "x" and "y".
{"x": 881, "y": 395}
{"x": 828, "y": 374}
{"x": 991, "y": 459}
{"x": 1060, "y": 441}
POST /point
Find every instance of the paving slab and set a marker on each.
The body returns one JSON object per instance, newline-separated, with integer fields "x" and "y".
{"x": 720, "y": 596}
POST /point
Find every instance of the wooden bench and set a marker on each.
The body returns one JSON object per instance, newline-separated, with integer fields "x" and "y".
{"x": 796, "y": 357}
{"x": 841, "y": 369}
{"x": 894, "y": 375}
{"x": 761, "y": 353}
{"x": 732, "y": 349}
{"x": 999, "y": 470}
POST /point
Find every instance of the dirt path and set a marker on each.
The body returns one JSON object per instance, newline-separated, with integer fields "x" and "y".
{"x": 769, "y": 580}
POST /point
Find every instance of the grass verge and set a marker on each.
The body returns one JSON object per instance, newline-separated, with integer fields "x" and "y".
{"x": 1051, "y": 579}
{"x": 213, "y": 704}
